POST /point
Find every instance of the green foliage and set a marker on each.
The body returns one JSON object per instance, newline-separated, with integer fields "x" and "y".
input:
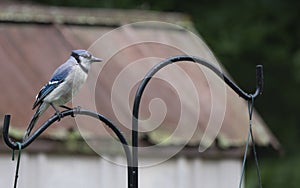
{"x": 243, "y": 33}
{"x": 275, "y": 173}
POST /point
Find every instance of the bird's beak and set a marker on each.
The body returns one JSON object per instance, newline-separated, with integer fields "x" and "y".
{"x": 95, "y": 59}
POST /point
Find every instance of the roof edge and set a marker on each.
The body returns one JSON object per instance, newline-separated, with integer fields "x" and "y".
{"x": 80, "y": 147}
{"x": 31, "y": 13}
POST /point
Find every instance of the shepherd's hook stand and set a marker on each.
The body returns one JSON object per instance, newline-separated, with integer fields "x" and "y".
{"x": 132, "y": 156}
{"x": 169, "y": 61}
{"x": 21, "y": 145}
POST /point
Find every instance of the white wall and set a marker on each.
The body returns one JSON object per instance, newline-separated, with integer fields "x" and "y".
{"x": 49, "y": 171}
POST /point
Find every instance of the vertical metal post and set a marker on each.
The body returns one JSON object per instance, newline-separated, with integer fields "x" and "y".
{"x": 155, "y": 69}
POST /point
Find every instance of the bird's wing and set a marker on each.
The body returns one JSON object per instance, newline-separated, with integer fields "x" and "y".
{"x": 45, "y": 91}
{"x": 58, "y": 77}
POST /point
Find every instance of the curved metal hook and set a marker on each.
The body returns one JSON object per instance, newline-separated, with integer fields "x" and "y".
{"x": 155, "y": 69}
{"x": 13, "y": 145}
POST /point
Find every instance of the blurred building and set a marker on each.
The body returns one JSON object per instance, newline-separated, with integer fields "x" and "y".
{"x": 202, "y": 149}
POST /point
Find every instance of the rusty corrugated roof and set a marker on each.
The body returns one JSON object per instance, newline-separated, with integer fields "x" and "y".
{"x": 86, "y": 16}
{"x": 35, "y": 40}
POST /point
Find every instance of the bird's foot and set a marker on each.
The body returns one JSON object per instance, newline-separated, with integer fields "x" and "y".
{"x": 76, "y": 110}
{"x": 66, "y": 107}
{"x": 57, "y": 112}
{"x": 59, "y": 115}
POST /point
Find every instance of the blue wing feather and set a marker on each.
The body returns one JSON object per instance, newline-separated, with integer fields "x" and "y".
{"x": 44, "y": 92}
{"x": 61, "y": 72}
{"x": 57, "y": 78}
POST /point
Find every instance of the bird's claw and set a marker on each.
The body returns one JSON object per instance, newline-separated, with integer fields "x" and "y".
{"x": 59, "y": 115}
{"x": 76, "y": 110}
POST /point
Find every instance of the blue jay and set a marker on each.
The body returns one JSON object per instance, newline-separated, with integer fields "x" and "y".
{"x": 63, "y": 85}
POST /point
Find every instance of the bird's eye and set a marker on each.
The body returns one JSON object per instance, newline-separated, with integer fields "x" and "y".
{"x": 87, "y": 56}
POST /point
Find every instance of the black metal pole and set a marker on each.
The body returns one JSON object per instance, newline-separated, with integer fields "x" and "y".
{"x": 13, "y": 145}
{"x": 154, "y": 70}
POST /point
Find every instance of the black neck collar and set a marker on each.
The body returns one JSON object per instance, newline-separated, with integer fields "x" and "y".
{"x": 76, "y": 56}
{"x": 83, "y": 68}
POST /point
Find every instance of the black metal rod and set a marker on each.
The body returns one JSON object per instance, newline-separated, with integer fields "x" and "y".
{"x": 65, "y": 113}
{"x": 155, "y": 69}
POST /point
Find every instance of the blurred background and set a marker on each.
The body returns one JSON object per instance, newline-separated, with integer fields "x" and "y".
{"x": 242, "y": 34}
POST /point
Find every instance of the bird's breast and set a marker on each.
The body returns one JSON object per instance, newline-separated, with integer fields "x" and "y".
{"x": 78, "y": 78}
{"x": 68, "y": 89}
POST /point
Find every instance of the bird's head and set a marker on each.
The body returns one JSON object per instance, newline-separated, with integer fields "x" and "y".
{"x": 85, "y": 58}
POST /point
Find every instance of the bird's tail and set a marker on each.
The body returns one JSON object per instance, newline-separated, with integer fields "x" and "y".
{"x": 41, "y": 109}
